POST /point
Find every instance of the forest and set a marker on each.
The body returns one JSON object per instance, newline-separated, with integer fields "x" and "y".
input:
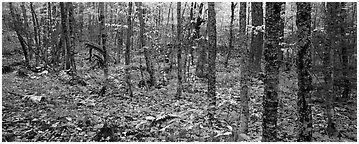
{"x": 179, "y": 71}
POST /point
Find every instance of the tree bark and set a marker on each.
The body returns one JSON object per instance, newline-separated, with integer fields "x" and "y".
{"x": 179, "y": 50}
{"x": 242, "y": 17}
{"x": 71, "y": 36}
{"x": 257, "y": 36}
{"x": 128, "y": 47}
{"x": 212, "y": 38}
{"x": 304, "y": 63}
{"x": 233, "y": 6}
{"x": 36, "y": 33}
{"x": 274, "y": 36}
{"x": 64, "y": 36}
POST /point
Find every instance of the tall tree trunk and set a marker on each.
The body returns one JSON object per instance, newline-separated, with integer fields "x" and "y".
{"x": 257, "y": 36}
{"x": 128, "y": 47}
{"x": 149, "y": 66}
{"x": 36, "y": 31}
{"x": 179, "y": 50}
{"x": 16, "y": 25}
{"x": 304, "y": 63}
{"x": 27, "y": 35}
{"x": 342, "y": 25}
{"x": 103, "y": 41}
{"x": 233, "y": 6}
{"x": 81, "y": 21}
{"x": 331, "y": 26}
{"x": 242, "y": 17}
{"x": 212, "y": 38}
{"x": 274, "y": 36}
{"x": 64, "y": 37}
{"x": 244, "y": 118}
{"x": 71, "y": 36}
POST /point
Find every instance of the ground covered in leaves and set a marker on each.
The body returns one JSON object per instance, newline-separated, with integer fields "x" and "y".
{"x": 56, "y": 107}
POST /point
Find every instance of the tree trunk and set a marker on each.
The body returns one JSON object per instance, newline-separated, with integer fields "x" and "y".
{"x": 331, "y": 26}
{"x": 274, "y": 36}
{"x": 128, "y": 47}
{"x": 233, "y": 6}
{"x": 242, "y": 17}
{"x": 304, "y": 63}
{"x": 16, "y": 25}
{"x": 149, "y": 66}
{"x": 64, "y": 36}
{"x": 179, "y": 50}
{"x": 212, "y": 38}
{"x": 257, "y": 36}
{"x": 103, "y": 41}
{"x": 342, "y": 25}
{"x": 71, "y": 37}
{"x": 36, "y": 35}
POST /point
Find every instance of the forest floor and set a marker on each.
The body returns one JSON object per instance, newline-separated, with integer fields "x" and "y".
{"x": 50, "y": 107}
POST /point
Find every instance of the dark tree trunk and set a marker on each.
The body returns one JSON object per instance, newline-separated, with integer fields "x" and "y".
{"x": 332, "y": 25}
{"x": 128, "y": 47}
{"x": 179, "y": 50}
{"x": 304, "y": 63}
{"x": 274, "y": 36}
{"x": 212, "y": 38}
{"x": 36, "y": 33}
{"x": 242, "y": 17}
{"x": 64, "y": 36}
{"x": 16, "y": 25}
{"x": 103, "y": 41}
{"x": 257, "y": 36}
{"x": 71, "y": 37}
{"x": 233, "y": 6}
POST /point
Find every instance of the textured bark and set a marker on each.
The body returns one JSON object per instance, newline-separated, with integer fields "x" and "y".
{"x": 179, "y": 50}
{"x": 257, "y": 36}
{"x": 212, "y": 38}
{"x": 128, "y": 47}
{"x": 274, "y": 36}
{"x": 149, "y": 66}
{"x": 304, "y": 63}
